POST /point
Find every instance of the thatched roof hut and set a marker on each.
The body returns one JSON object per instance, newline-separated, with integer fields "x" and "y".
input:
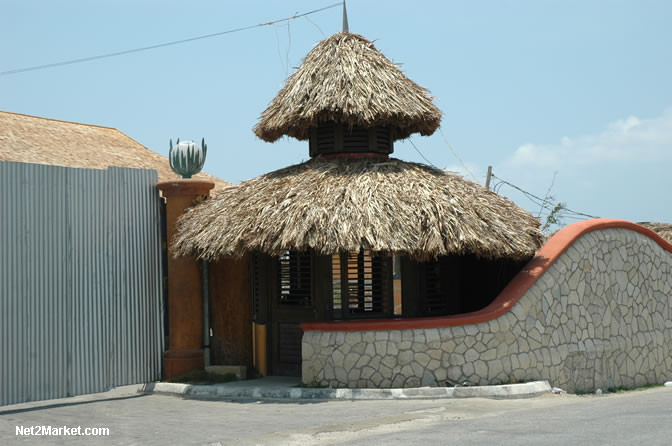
{"x": 334, "y": 205}
{"x": 353, "y": 233}
{"x": 352, "y": 103}
{"x": 346, "y": 80}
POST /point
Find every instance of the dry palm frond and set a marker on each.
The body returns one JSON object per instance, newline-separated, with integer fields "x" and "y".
{"x": 345, "y": 79}
{"x": 333, "y": 205}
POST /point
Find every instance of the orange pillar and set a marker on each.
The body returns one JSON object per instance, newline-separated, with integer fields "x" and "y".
{"x": 184, "y": 351}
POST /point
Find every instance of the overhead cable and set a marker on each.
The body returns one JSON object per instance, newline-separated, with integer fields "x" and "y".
{"x": 457, "y": 156}
{"x": 161, "y": 45}
{"x": 420, "y": 153}
{"x": 544, "y": 203}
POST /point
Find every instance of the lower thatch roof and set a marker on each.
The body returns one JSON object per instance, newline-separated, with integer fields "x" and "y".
{"x": 337, "y": 204}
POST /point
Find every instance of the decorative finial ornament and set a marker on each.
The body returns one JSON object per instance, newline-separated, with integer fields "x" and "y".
{"x": 186, "y": 158}
{"x": 345, "y": 19}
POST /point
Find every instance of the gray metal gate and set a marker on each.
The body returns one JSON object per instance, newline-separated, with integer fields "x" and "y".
{"x": 80, "y": 280}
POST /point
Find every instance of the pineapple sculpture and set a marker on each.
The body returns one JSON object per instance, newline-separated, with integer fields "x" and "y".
{"x": 186, "y": 158}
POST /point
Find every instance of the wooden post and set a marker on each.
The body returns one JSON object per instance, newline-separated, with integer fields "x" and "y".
{"x": 260, "y": 351}
{"x": 487, "y": 178}
{"x": 185, "y": 303}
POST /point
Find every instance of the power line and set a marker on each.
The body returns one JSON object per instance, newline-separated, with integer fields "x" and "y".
{"x": 533, "y": 198}
{"x": 457, "y": 156}
{"x": 316, "y": 26}
{"x": 544, "y": 203}
{"x": 548, "y": 192}
{"x": 161, "y": 45}
{"x": 420, "y": 153}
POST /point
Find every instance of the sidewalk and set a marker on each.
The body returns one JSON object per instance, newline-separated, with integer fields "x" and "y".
{"x": 279, "y": 387}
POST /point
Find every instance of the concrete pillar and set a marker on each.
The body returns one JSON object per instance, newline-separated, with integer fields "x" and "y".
{"x": 184, "y": 351}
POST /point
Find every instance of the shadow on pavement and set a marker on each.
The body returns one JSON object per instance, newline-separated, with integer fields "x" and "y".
{"x": 74, "y": 403}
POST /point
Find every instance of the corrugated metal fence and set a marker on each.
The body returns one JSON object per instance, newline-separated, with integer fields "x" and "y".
{"x": 80, "y": 280}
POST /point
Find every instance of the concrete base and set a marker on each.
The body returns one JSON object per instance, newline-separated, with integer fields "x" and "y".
{"x": 179, "y": 362}
{"x": 285, "y": 388}
{"x": 239, "y": 370}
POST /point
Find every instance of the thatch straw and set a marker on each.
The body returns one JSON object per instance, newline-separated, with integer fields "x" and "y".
{"x": 345, "y": 79}
{"x": 662, "y": 229}
{"x": 333, "y": 205}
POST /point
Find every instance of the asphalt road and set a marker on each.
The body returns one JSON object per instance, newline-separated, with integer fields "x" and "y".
{"x": 637, "y": 417}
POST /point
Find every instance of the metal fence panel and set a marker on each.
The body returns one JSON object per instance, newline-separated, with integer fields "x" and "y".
{"x": 80, "y": 280}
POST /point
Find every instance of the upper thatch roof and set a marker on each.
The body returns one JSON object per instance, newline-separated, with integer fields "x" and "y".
{"x": 347, "y": 80}
{"x": 333, "y": 205}
{"x": 662, "y": 229}
{"x": 31, "y": 139}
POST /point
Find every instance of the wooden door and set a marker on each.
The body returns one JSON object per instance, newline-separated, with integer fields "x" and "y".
{"x": 300, "y": 285}
{"x": 286, "y": 337}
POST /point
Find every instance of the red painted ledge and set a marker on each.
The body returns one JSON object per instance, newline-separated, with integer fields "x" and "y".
{"x": 546, "y": 256}
{"x": 185, "y": 186}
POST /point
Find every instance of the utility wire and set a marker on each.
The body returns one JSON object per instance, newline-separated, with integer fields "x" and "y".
{"x": 538, "y": 200}
{"x": 548, "y": 193}
{"x": 548, "y": 206}
{"x": 289, "y": 46}
{"x": 420, "y": 153}
{"x": 161, "y": 45}
{"x": 457, "y": 156}
{"x": 316, "y": 26}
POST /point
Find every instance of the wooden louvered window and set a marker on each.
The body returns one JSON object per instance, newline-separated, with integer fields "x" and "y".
{"x": 362, "y": 285}
{"x": 323, "y": 139}
{"x": 295, "y": 279}
{"x": 337, "y": 282}
{"x": 355, "y": 140}
{"x": 330, "y": 138}
{"x": 440, "y": 287}
{"x": 383, "y": 139}
{"x": 435, "y": 300}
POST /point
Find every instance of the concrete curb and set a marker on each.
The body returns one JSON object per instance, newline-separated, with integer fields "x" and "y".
{"x": 506, "y": 391}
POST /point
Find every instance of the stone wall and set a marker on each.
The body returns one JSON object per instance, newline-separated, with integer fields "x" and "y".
{"x": 599, "y": 316}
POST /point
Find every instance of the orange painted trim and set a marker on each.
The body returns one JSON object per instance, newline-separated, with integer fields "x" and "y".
{"x": 536, "y": 267}
{"x": 185, "y": 187}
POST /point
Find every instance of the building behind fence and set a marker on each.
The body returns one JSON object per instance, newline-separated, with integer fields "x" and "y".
{"x": 80, "y": 280}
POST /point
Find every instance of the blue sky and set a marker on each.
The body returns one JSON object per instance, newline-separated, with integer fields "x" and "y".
{"x": 581, "y": 88}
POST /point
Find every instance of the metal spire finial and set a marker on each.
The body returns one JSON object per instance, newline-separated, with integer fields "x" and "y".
{"x": 345, "y": 19}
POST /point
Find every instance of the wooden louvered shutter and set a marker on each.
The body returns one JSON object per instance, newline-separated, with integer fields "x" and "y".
{"x": 330, "y": 138}
{"x": 337, "y": 287}
{"x": 439, "y": 287}
{"x": 323, "y": 139}
{"x": 295, "y": 279}
{"x": 362, "y": 285}
{"x": 383, "y": 140}
{"x": 355, "y": 140}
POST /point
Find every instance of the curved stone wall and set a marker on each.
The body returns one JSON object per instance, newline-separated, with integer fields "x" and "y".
{"x": 599, "y": 316}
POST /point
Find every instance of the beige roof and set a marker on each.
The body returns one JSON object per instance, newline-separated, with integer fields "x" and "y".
{"x": 31, "y": 139}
